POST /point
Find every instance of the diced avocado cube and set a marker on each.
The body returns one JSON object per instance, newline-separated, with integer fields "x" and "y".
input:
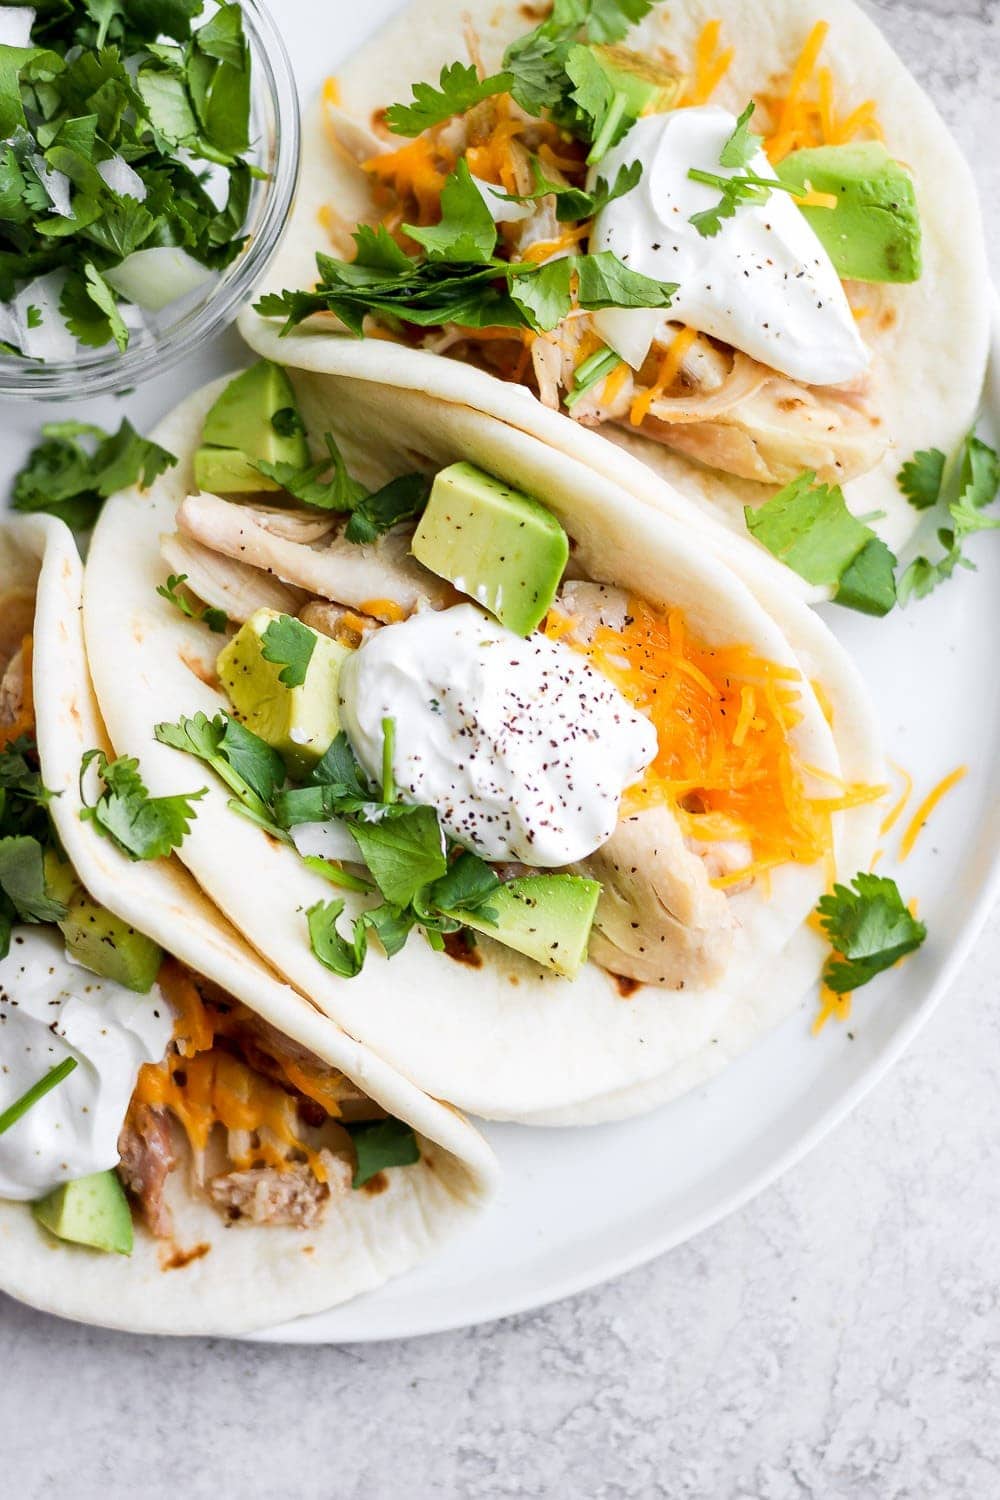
{"x": 648, "y": 87}
{"x": 256, "y": 417}
{"x": 226, "y": 471}
{"x": 546, "y": 917}
{"x": 90, "y": 1211}
{"x": 873, "y": 234}
{"x": 244, "y": 416}
{"x": 493, "y": 543}
{"x": 97, "y": 939}
{"x": 299, "y": 722}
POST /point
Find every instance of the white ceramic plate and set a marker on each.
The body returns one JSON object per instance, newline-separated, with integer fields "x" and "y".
{"x": 581, "y": 1206}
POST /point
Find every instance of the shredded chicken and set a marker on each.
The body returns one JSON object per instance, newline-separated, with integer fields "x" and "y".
{"x": 356, "y": 140}
{"x": 147, "y": 1159}
{"x": 347, "y": 626}
{"x": 12, "y": 691}
{"x": 294, "y": 1196}
{"x": 17, "y": 616}
{"x": 591, "y": 605}
{"x": 658, "y": 920}
{"x": 381, "y": 579}
{"x": 225, "y": 584}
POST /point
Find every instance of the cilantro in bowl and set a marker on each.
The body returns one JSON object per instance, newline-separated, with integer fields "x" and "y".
{"x": 124, "y": 171}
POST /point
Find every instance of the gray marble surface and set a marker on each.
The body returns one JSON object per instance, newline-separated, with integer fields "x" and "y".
{"x": 838, "y": 1339}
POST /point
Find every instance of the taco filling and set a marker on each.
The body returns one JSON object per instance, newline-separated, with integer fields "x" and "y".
{"x": 583, "y": 219}
{"x": 466, "y": 734}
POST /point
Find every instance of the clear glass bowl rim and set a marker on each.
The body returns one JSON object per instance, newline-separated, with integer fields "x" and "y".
{"x": 108, "y": 370}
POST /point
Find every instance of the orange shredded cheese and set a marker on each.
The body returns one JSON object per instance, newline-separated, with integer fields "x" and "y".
{"x": 711, "y": 64}
{"x": 24, "y": 723}
{"x": 806, "y": 114}
{"x": 894, "y": 814}
{"x": 669, "y": 369}
{"x": 416, "y": 173}
{"x": 921, "y": 816}
{"x": 383, "y": 609}
{"x": 831, "y": 1004}
{"x": 331, "y": 91}
{"x": 812, "y": 199}
{"x": 568, "y": 240}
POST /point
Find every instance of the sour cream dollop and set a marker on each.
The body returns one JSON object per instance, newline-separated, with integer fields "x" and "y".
{"x": 763, "y": 284}
{"x": 520, "y": 745}
{"x": 51, "y": 1009}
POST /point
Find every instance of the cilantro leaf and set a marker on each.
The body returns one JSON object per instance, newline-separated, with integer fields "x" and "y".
{"x": 605, "y": 281}
{"x": 383, "y": 1144}
{"x": 215, "y": 619}
{"x": 742, "y": 146}
{"x": 144, "y": 827}
{"x": 339, "y": 769}
{"x": 922, "y": 576}
{"x": 460, "y": 87}
{"x": 809, "y": 528}
{"x": 399, "y": 500}
{"x": 404, "y": 852}
{"x": 737, "y": 190}
{"x": 467, "y": 885}
{"x": 22, "y": 880}
{"x": 65, "y": 478}
{"x": 392, "y": 925}
{"x": 920, "y": 478}
{"x": 290, "y": 644}
{"x": 869, "y": 928}
{"x": 573, "y": 203}
{"x": 249, "y": 767}
{"x": 466, "y": 231}
{"x": 542, "y": 295}
{"x": 336, "y": 492}
{"x": 287, "y": 422}
{"x": 344, "y": 956}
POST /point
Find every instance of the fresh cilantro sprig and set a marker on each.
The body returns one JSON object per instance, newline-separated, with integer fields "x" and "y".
{"x": 172, "y": 591}
{"x": 250, "y": 768}
{"x": 735, "y": 191}
{"x": 740, "y": 148}
{"x": 459, "y": 88}
{"x": 961, "y": 490}
{"x": 381, "y": 1145}
{"x": 289, "y": 644}
{"x": 573, "y": 204}
{"x": 400, "y": 500}
{"x": 78, "y": 465}
{"x": 336, "y": 491}
{"x": 25, "y": 834}
{"x": 869, "y": 928}
{"x": 144, "y": 827}
{"x": 809, "y": 528}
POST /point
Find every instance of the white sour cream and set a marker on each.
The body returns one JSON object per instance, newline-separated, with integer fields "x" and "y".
{"x": 51, "y": 1009}
{"x": 520, "y": 745}
{"x": 763, "y": 284}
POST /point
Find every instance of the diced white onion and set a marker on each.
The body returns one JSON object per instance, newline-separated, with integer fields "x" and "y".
{"x": 501, "y": 211}
{"x": 16, "y": 22}
{"x": 328, "y": 840}
{"x": 155, "y": 277}
{"x": 50, "y": 339}
{"x": 56, "y": 184}
{"x": 121, "y": 178}
{"x": 629, "y": 331}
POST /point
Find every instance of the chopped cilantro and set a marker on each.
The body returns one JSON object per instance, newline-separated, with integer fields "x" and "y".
{"x": 466, "y": 232}
{"x": 961, "y": 490}
{"x": 383, "y": 1144}
{"x": 404, "y": 853}
{"x": 250, "y": 768}
{"x": 741, "y": 147}
{"x": 215, "y": 619}
{"x": 573, "y": 204}
{"x": 22, "y": 880}
{"x": 809, "y": 528}
{"x": 920, "y": 479}
{"x": 287, "y": 422}
{"x": 144, "y": 827}
{"x": 399, "y": 500}
{"x": 344, "y": 956}
{"x": 735, "y": 191}
{"x": 77, "y": 466}
{"x": 869, "y": 928}
{"x": 289, "y": 644}
{"x": 460, "y": 87}
{"x": 338, "y": 491}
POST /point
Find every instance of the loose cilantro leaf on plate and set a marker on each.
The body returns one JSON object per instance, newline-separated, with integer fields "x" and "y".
{"x": 742, "y": 146}
{"x": 922, "y": 576}
{"x": 399, "y": 500}
{"x": 144, "y": 827}
{"x": 920, "y": 478}
{"x": 380, "y": 1145}
{"x": 215, "y": 619}
{"x": 345, "y": 956}
{"x": 808, "y": 527}
{"x": 337, "y": 491}
{"x": 961, "y": 490}
{"x": 290, "y": 644}
{"x": 459, "y": 88}
{"x": 77, "y": 466}
{"x": 869, "y": 928}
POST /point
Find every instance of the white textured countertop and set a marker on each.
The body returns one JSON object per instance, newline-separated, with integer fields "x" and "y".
{"x": 838, "y": 1339}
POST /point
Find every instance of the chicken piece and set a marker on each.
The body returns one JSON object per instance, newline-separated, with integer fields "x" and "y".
{"x": 293, "y": 1195}
{"x": 17, "y": 618}
{"x": 345, "y": 626}
{"x": 381, "y": 579}
{"x": 659, "y": 920}
{"x": 546, "y": 362}
{"x": 225, "y": 584}
{"x": 355, "y": 140}
{"x": 12, "y": 691}
{"x": 147, "y": 1157}
{"x": 592, "y": 605}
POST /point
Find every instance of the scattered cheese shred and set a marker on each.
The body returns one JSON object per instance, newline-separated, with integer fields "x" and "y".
{"x": 920, "y": 818}
{"x": 894, "y": 814}
{"x": 670, "y": 367}
{"x": 831, "y": 1004}
{"x": 806, "y": 114}
{"x": 711, "y": 64}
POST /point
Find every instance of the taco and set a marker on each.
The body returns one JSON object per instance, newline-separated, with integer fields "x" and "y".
{"x": 247, "y": 1161}
{"x": 478, "y": 714}
{"x": 581, "y": 230}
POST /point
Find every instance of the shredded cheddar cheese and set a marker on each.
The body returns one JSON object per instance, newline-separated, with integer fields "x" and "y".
{"x": 24, "y": 723}
{"x": 806, "y": 114}
{"x": 711, "y": 64}
{"x": 832, "y": 1004}
{"x": 670, "y": 367}
{"x": 920, "y": 818}
{"x": 894, "y": 814}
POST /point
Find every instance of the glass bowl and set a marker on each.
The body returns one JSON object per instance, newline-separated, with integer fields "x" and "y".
{"x": 163, "y": 338}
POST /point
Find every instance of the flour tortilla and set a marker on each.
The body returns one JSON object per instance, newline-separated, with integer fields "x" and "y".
{"x": 250, "y": 1277}
{"x": 508, "y": 1041}
{"x": 932, "y": 336}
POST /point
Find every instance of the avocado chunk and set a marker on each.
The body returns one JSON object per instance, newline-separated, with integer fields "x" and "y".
{"x": 90, "y": 1211}
{"x": 873, "y": 234}
{"x": 494, "y": 543}
{"x": 648, "y": 87}
{"x": 300, "y": 722}
{"x": 546, "y": 917}
{"x": 255, "y": 417}
{"x": 96, "y": 938}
